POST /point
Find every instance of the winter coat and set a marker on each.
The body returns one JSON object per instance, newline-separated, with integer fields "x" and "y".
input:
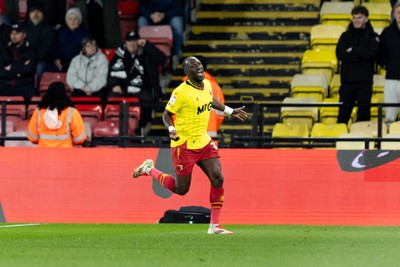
{"x": 88, "y": 71}
{"x": 389, "y": 56}
{"x": 358, "y": 65}
{"x": 42, "y": 37}
{"x": 54, "y": 10}
{"x": 171, "y": 8}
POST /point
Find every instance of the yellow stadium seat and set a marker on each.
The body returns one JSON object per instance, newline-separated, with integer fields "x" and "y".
{"x": 328, "y": 130}
{"x": 326, "y": 36}
{"x": 320, "y": 62}
{"x": 335, "y": 86}
{"x": 374, "y": 110}
{"x": 309, "y": 85}
{"x": 329, "y": 114}
{"x": 336, "y": 13}
{"x": 354, "y": 145}
{"x": 391, "y": 145}
{"x": 299, "y": 114}
{"x": 367, "y": 128}
{"x": 378, "y": 85}
{"x": 394, "y": 127}
{"x": 290, "y": 130}
{"x": 379, "y": 13}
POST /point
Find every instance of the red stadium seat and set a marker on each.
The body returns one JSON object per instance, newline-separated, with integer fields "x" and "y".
{"x": 126, "y": 26}
{"x": 159, "y": 35}
{"x": 50, "y": 77}
{"x": 21, "y": 125}
{"x": 14, "y": 111}
{"x": 109, "y": 127}
{"x": 91, "y": 113}
{"x": 32, "y": 107}
{"x": 109, "y": 53}
{"x": 112, "y": 111}
{"x": 128, "y": 9}
{"x": 9, "y": 126}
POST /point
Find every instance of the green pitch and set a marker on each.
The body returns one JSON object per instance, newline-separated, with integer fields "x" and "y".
{"x": 189, "y": 245}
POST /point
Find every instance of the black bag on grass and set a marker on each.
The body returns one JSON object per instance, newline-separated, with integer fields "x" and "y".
{"x": 189, "y": 214}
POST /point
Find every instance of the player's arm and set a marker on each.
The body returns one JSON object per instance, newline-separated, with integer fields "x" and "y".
{"x": 238, "y": 113}
{"x": 167, "y": 119}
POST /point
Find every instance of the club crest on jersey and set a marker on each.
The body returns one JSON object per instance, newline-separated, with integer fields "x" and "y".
{"x": 172, "y": 100}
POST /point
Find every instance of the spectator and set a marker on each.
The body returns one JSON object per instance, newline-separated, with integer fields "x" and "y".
{"x": 357, "y": 50}
{"x": 10, "y": 9}
{"x": 3, "y": 11}
{"x": 153, "y": 12}
{"x": 56, "y": 123}
{"x": 389, "y": 58}
{"x": 87, "y": 74}
{"x": 69, "y": 40}
{"x": 4, "y": 32}
{"x": 97, "y": 15}
{"x": 133, "y": 71}
{"x": 17, "y": 65}
{"x": 54, "y": 11}
{"x": 42, "y": 36}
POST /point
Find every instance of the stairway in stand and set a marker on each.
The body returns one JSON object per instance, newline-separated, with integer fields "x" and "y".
{"x": 254, "y": 48}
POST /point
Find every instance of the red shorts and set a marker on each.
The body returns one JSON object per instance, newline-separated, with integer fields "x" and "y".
{"x": 184, "y": 158}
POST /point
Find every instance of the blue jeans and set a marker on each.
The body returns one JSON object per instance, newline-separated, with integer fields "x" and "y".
{"x": 177, "y": 25}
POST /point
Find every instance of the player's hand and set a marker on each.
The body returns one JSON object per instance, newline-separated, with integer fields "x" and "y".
{"x": 174, "y": 135}
{"x": 240, "y": 114}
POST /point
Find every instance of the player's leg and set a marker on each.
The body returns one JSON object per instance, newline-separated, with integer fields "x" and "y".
{"x": 212, "y": 168}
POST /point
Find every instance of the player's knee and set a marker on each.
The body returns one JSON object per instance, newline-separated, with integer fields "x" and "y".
{"x": 181, "y": 190}
{"x": 217, "y": 181}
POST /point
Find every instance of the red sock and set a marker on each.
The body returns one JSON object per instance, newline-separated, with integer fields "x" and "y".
{"x": 216, "y": 200}
{"x": 166, "y": 180}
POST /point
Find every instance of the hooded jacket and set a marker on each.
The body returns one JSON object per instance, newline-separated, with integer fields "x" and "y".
{"x": 358, "y": 65}
{"x": 88, "y": 71}
{"x": 389, "y": 56}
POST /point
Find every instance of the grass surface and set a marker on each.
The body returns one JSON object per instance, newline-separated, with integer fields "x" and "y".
{"x": 189, "y": 245}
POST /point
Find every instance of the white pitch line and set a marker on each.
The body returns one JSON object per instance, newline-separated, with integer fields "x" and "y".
{"x": 19, "y": 225}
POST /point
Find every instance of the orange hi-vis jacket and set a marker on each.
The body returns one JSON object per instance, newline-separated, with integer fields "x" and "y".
{"x": 71, "y": 132}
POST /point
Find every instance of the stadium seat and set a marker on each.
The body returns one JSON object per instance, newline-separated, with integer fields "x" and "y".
{"x": 289, "y": 130}
{"x": 21, "y": 125}
{"x": 374, "y": 110}
{"x": 112, "y": 111}
{"x": 394, "y": 127}
{"x": 336, "y": 13}
{"x": 378, "y": 85}
{"x": 334, "y": 86}
{"x": 391, "y": 145}
{"x": 325, "y": 36}
{"x": 91, "y": 113}
{"x": 159, "y": 35}
{"x": 328, "y": 130}
{"x": 50, "y": 77}
{"x": 379, "y": 13}
{"x": 22, "y": 9}
{"x": 320, "y": 62}
{"x": 14, "y": 111}
{"x": 109, "y": 53}
{"x": 15, "y": 143}
{"x": 299, "y": 114}
{"x": 10, "y": 127}
{"x": 354, "y": 145}
{"x": 109, "y": 127}
{"x": 329, "y": 114}
{"x": 32, "y": 107}
{"x": 367, "y": 128}
{"x": 309, "y": 85}
{"x": 128, "y": 9}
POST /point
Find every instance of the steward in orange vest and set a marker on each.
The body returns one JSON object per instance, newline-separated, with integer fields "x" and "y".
{"x": 56, "y": 123}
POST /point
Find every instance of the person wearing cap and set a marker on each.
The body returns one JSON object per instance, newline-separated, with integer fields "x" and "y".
{"x": 56, "y": 122}
{"x": 53, "y": 10}
{"x": 4, "y": 31}
{"x": 17, "y": 65}
{"x": 69, "y": 40}
{"x": 134, "y": 71}
{"x": 42, "y": 36}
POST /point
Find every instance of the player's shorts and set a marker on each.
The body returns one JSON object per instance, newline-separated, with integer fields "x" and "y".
{"x": 184, "y": 158}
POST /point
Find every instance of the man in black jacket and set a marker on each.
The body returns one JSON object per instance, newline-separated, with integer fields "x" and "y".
{"x": 357, "y": 50}
{"x": 133, "y": 72}
{"x": 389, "y": 58}
{"x": 17, "y": 65}
{"x": 4, "y": 32}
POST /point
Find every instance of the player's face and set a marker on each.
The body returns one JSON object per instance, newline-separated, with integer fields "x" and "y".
{"x": 396, "y": 14}
{"x": 359, "y": 21}
{"x": 196, "y": 70}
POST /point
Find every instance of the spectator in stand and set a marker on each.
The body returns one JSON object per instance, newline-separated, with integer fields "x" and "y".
{"x": 42, "y": 36}
{"x": 3, "y": 12}
{"x": 154, "y": 12}
{"x": 53, "y": 10}
{"x": 17, "y": 65}
{"x": 133, "y": 72}
{"x": 357, "y": 50}
{"x": 56, "y": 122}
{"x": 4, "y": 32}
{"x": 389, "y": 58}
{"x": 69, "y": 40}
{"x": 87, "y": 74}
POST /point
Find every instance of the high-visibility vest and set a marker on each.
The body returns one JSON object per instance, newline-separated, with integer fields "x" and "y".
{"x": 216, "y": 116}
{"x": 71, "y": 132}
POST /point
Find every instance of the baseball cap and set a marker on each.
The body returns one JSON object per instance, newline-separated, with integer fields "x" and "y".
{"x": 18, "y": 27}
{"x": 132, "y": 35}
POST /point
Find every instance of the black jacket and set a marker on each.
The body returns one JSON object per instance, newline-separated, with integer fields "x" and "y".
{"x": 23, "y": 62}
{"x": 54, "y": 10}
{"x": 4, "y": 34}
{"x": 151, "y": 58}
{"x": 389, "y": 56}
{"x": 357, "y": 66}
{"x": 42, "y": 37}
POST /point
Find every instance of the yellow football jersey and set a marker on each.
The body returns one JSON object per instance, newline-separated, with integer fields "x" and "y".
{"x": 192, "y": 108}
